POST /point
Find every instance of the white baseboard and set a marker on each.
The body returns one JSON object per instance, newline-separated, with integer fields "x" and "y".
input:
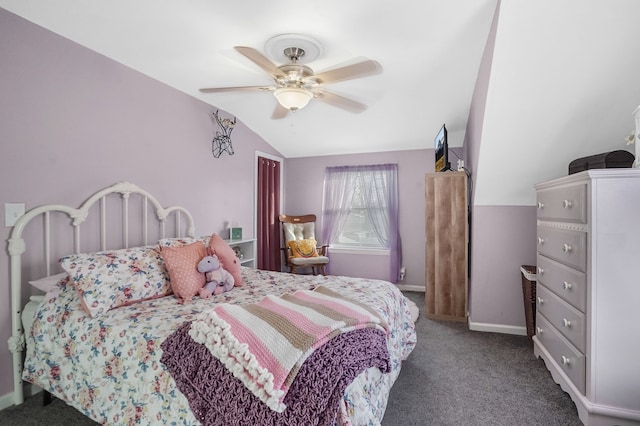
{"x": 409, "y": 287}
{"x": 6, "y": 401}
{"x": 475, "y": 326}
{"x": 498, "y": 328}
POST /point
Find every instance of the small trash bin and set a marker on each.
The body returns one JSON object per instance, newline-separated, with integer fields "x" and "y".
{"x": 529, "y": 296}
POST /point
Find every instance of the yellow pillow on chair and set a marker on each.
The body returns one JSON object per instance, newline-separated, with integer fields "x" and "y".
{"x": 303, "y": 248}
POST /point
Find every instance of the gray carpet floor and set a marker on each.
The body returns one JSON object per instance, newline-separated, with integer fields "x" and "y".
{"x": 459, "y": 377}
{"x": 453, "y": 377}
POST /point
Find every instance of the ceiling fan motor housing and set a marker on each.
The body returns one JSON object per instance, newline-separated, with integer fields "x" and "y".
{"x": 295, "y": 75}
{"x": 294, "y": 53}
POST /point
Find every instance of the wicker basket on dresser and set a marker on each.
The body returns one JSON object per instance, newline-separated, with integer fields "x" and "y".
{"x": 588, "y": 291}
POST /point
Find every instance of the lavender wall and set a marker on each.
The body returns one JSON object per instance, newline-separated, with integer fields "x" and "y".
{"x": 502, "y": 237}
{"x": 503, "y": 240}
{"x": 73, "y": 121}
{"x": 473, "y": 133}
{"x": 303, "y": 192}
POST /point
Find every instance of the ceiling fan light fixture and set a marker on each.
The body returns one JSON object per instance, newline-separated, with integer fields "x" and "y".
{"x": 293, "y": 98}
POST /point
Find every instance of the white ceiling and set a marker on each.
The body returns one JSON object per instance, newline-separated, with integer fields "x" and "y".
{"x": 429, "y": 50}
{"x": 565, "y": 74}
{"x": 565, "y": 80}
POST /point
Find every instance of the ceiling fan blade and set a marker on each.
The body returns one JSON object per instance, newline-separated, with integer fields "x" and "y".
{"x": 260, "y": 60}
{"x": 236, "y": 89}
{"x": 279, "y": 112}
{"x": 340, "y": 101}
{"x": 348, "y": 72}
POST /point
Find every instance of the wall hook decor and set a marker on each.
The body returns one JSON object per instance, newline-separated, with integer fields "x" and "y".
{"x": 222, "y": 141}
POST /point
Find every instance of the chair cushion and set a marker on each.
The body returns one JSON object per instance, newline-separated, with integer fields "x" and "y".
{"x": 303, "y": 248}
{"x": 309, "y": 261}
{"x": 298, "y": 231}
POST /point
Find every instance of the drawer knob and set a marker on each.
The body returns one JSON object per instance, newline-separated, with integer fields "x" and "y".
{"x": 540, "y": 240}
{"x": 566, "y": 248}
{"x": 540, "y": 300}
{"x": 540, "y": 271}
{"x": 565, "y": 360}
{"x": 538, "y": 330}
{"x": 566, "y": 323}
{"x": 540, "y": 205}
{"x": 566, "y": 204}
{"x": 566, "y": 285}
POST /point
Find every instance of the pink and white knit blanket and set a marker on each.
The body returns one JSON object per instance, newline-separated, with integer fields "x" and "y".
{"x": 264, "y": 344}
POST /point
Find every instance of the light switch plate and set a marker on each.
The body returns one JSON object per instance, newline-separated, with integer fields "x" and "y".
{"x": 13, "y": 212}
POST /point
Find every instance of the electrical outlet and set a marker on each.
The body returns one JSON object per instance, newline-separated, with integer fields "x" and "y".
{"x": 13, "y": 212}
{"x": 460, "y": 164}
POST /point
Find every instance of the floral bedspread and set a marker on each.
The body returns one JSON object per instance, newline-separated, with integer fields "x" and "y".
{"x": 109, "y": 367}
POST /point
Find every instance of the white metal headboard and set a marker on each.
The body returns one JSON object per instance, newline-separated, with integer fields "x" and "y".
{"x": 17, "y": 247}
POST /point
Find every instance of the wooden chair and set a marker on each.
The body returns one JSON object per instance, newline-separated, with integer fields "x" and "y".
{"x": 300, "y": 245}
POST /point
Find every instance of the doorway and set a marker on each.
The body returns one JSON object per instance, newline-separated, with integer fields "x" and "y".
{"x": 268, "y": 207}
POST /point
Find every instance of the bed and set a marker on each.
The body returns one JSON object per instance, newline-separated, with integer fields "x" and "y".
{"x": 143, "y": 356}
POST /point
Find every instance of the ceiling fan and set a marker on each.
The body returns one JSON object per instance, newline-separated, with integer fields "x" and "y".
{"x": 295, "y": 84}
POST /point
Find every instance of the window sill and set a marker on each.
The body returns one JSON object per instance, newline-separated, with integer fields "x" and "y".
{"x": 358, "y": 250}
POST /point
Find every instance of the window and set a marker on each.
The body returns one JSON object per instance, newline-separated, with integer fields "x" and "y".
{"x": 358, "y": 229}
{"x": 360, "y": 206}
{"x": 360, "y": 210}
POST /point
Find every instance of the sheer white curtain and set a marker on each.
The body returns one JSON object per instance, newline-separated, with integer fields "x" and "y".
{"x": 380, "y": 193}
{"x": 339, "y": 186}
{"x": 379, "y": 185}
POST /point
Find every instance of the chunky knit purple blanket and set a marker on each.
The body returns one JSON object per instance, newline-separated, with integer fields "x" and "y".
{"x": 218, "y": 398}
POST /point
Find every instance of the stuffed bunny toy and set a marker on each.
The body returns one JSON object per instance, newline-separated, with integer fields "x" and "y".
{"x": 218, "y": 279}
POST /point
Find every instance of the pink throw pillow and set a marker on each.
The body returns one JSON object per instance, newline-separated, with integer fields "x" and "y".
{"x": 227, "y": 257}
{"x": 182, "y": 265}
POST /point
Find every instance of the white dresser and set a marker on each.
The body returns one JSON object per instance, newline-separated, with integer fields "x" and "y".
{"x": 588, "y": 291}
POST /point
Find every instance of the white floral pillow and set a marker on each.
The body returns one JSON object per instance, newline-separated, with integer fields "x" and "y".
{"x": 183, "y": 241}
{"x": 109, "y": 279}
{"x": 49, "y": 283}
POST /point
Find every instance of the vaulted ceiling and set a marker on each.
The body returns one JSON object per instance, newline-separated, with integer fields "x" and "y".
{"x": 563, "y": 82}
{"x": 429, "y": 52}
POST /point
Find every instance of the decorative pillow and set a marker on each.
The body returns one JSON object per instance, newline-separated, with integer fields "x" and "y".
{"x": 182, "y": 264}
{"x": 47, "y": 284}
{"x": 182, "y": 241}
{"x": 109, "y": 279}
{"x": 304, "y": 248}
{"x": 227, "y": 257}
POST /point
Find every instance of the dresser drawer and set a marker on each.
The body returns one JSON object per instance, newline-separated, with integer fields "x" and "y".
{"x": 564, "y": 317}
{"x": 568, "y": 283}
{"x": 566, "y": 246}
{"x": 569, "y": 359}
{"x": 566, "y": 204}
